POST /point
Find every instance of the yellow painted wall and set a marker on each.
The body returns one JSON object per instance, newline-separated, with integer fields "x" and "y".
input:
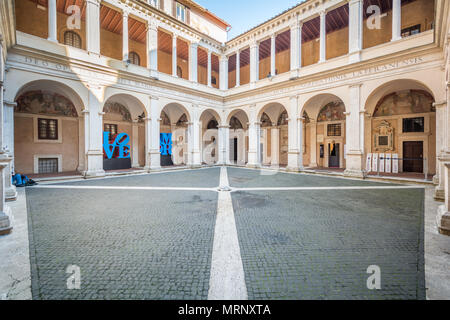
{"x": 25, "y": 148}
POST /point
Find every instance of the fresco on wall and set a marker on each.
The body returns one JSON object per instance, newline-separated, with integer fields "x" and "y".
{"x": 165, "y": 121}
{"x": 404, "y": 102}
{"x": 333, "y": 111}
{"x": 41, "y": 102}
{"x": 306, "y": 117}
{"x": 112, "y": 109}
{"x": 265, "y": 120}
{"x": 283, "y": 119}
{"x": 235, "y": 124}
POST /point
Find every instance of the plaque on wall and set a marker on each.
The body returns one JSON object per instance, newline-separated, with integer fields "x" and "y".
{"x": 395, "y": 163}
{"x": 384, "y": 137}
{"x": 388, "y": 167}
{"x": 369, "y": 162}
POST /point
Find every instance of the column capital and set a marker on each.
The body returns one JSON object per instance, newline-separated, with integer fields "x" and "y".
{"x": 323, "y": 13}
{"x": 125, "y": 12}
{"x": 223, "y": 58}
{"x": 9, "y": 103}
{"x": 440, "y": 104}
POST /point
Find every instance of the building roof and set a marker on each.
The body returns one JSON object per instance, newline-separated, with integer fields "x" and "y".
{"x": 208, "y": 13}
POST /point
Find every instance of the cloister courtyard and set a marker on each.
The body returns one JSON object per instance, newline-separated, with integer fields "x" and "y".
{"x": 226, "y": 233}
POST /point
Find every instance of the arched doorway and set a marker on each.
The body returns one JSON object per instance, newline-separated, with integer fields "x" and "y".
{"x": 174, "y": 135}
{"x": 274, "y": 135}
{"x": 124, "y": 114}
{"x": 48, "y": 129}
{"x": 238, "y": 138}
{"x": 209, "y": 137}
{"x": 324, "y": 132}
{"x": 403, "y": 133}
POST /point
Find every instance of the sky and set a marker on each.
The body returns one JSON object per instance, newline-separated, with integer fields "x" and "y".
{"x": 246, "y": 14}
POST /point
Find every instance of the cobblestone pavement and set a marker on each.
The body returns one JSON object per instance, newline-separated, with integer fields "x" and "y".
{"x": 245, "y": 178}
{"x": 204, "y": 178}
{"x": 128, "y": 245}
{"x": 146, "y": 244}
{"x": 319, "y": 244}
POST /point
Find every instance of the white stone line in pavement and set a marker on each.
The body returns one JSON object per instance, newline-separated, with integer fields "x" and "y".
{"x": 327, "y": 188}
{"x": 227, "y": 281}
{"x": 122, "y": 188}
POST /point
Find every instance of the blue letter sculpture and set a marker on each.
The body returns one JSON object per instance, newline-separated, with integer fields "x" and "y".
{"x": 165, "y": 140}
{"x": 124, "y": 147}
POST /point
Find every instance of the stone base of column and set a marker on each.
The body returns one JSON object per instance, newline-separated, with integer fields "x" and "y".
{"x": 293, "y": 169}
{"x": 94, "y": 174}
{"x": 443, "y": 221}
{"x": 11, "y": 193}
{"x": 294, "y": 74}
{"x": 5, "y": 222}
{"x": 154, "y": 74}
{"x": 253, "y": 165}
{"x": 355, "y": 173}
{"x": 439, "y": 194}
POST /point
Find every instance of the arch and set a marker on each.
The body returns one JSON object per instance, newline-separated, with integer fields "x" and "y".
{"x": 54, "y": 87}
{"x": 273, "y": 110}
{"x": 133, "y": 104}
{"x": 390, "y": 87}
{"x": 314, "y": 104}
{"x": 175, "y": 110}
{"x": 209, "y": 114}
{"x": 241, "y": 115}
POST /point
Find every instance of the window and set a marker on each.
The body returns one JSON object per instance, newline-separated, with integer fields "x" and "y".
{"x": 111, "y": 128}
{"x": 413, "y": 125}
{"x": 334, "y": 130}
{"x": 181, "y": 12}
{"x": 179, "y": 72}
{"x": 72, "y": 39}
{"x": 48, "y": 165}
{"x": 134, "y": 58}
{"x": 411, "y": 31}
{"x": 47, "y": 129}
{"x": 213, "y": 80}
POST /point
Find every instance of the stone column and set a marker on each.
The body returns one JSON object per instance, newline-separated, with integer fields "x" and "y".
{"x": 254, "y": 137}
{"x": 93, "y": 127}
{"x": 125, "y": 50}
{"x": 5, "y": 159}
{"x": 396, "y": 20}
{"x": 293, "y": 136}
{"x": 355, "y": 134}
{"x": 254, "y": 62}
{"x": 93, "y": 26}
{"x": 275, "y": 145}
{"x": 209, "y": 69}
{"x": 355, "y": 30}
{"x": 195, "y": 144}
{"x": 296, "y": 48}
{"x": 443, "y": 217}
{"x": 193, "y": 65}
{"x": 273, "y": 42}
{"x": 439, "y": 178}
{"x": 238, "y": 68}
{"x": 135, "y": 144}
{"x": 152, "y": 128}
{"x": 224, "y": 144}
{"x": 323, "y": 36}
{"x": 52, "y": 21}
{"x": 300, "y": 129}
{"x": 174, "y": 55}
{"x": 8, "y": 140}
{"x": 152, "y": 47}
{"x": 313, "y": 142}
{"x": 223, "y": 72}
